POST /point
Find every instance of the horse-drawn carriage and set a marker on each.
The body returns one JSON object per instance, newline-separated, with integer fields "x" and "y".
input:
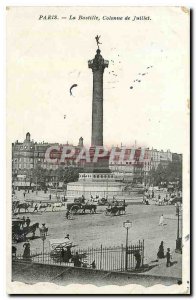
{"x": 80, "y": 206}
{"x": 116, "y": 208}
{"x": 61, "y": 251}
{"x": 20, "y": 231}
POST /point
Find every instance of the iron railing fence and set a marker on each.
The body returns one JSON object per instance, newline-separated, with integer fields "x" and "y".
{"x": 102, "y": 258}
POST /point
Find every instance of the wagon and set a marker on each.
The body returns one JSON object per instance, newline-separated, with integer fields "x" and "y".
{"x": 61, "y": 251}
{"x": 116, "y": 208}
{"x": 79, "y": 207}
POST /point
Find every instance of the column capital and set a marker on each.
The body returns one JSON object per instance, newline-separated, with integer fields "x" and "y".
{"x": 98, "y": 63}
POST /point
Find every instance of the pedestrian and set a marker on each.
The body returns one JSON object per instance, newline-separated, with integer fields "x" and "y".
{"x": 35, "y": 208}
{"x": 28, "y": 221}
{"x": 26, "y": 253}
{"x": 67, "y": 238}
{"x": 76, "y": 260}
{"x": 93, "y": 265}
{"x": 161, "y": 221}
{"x": 168, "y": 258}
{"x": 138, "y": 259}
{"x": 63, "y": 254}
{"x": 69, "y": 255}
{"x": 160, "y": 253}
{"x": 50, "y": 197}
{"x": 24, "y": 194}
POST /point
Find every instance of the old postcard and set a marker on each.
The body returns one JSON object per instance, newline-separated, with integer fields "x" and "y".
{"x": 98, "y": 150}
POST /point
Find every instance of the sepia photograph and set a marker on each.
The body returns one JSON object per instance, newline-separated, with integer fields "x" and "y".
{"x": 98, "y": 150}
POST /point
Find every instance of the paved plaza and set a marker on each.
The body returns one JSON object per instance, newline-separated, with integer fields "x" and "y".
{"x": 92, "y": 230}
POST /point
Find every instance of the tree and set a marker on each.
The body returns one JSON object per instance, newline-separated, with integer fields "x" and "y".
{"x": 39, "y": 175}
{"x": 171, "y": 173}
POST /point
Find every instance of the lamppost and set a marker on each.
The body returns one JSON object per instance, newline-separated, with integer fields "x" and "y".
{"x": 127, "y": 224}
{"x": 179, "y": 239}
{"x": 43, "y": 237}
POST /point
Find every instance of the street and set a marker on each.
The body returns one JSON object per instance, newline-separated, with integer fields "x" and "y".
{"x": 92, "y": 230}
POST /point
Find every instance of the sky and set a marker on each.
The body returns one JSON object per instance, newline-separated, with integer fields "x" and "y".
{"x": 46, "y": 57}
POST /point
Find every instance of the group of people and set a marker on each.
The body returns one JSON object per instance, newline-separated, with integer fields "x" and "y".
{"x": 159, "y": 199}
{"x": 161, "y": 254}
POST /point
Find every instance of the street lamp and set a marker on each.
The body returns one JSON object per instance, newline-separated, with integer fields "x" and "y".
{"x": 43, "y": 230}
{"x": 179, "y": 239}
{"x": 127, "y": 224}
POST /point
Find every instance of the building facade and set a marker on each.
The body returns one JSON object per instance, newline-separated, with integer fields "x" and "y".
{"x": 29, "y": 155}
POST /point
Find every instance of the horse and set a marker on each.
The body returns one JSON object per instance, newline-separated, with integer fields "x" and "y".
{"x": 14, "y": 206}
{"x": 24, "y": 206}
{"x": 91, "y": 207}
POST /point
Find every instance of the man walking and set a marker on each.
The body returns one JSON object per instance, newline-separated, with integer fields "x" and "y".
{"x": 168, "y": 258}
{"x": 161, "y": 221}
